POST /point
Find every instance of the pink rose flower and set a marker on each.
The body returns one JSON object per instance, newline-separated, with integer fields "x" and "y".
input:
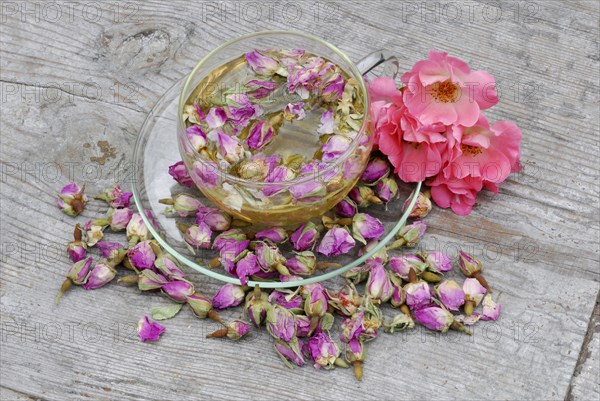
{"x": 444, "y": 89}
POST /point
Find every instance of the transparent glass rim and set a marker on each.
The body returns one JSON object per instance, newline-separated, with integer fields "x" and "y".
{"x": 332, "y": 167}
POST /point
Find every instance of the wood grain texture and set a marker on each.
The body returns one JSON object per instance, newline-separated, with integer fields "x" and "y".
{"x": 69, "y": 83}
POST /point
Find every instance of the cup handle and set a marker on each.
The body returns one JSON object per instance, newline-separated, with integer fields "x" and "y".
{"x": 377, "y": 58}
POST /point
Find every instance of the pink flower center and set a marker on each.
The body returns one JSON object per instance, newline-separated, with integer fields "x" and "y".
{"x": 445, "y": 92}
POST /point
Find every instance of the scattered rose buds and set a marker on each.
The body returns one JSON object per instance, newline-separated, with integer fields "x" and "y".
{"x": 72, "y": 199}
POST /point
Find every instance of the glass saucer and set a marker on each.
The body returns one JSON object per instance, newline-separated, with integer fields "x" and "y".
{"x": 156, "y": 149}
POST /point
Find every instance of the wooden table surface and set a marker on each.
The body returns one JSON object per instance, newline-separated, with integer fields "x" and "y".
{"x": 78, "y": 79}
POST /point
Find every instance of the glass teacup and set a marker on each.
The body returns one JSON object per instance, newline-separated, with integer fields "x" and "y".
{"x": 313, "y": 189}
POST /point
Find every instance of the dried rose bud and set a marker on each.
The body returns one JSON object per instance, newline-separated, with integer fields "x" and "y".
{"x": 119, "y": 218}
{"x": 183, "y": 204}
{"x": 115, "y": 197}
{"x": 335, "y": 242}
{"x": 346, "y": 208}
{"x": 216, "y": 117}
{"x": 398, "y": 297}
{"x": 72, "y": 199}
{"x": 180, "y": 174}
{"x": 270, "y": 258}
{"x": 469, "y": 265}
{"x": 197, "y": 235}
{"x": 346, "y": 300}
{"x": 417, "y": 294}
{"x": 378, "y": 285}
{"x": 305, "y": 237}
{"x": 474, "y": 293}
{"x": 451, "y": 294}
{"x": 434, "y": 318}
{"x": 353, "y": 327}
{"x": 261, "y": 133}
{"x": 228, "y": 296}
{"x": 421, "y": 208}
{"x": 373, "y": 319}
{"x": 216, "y": 219}
{"x": 399, "y": 322}
{"x": 302, "y": 324}
{"x": 281, "y": 323}
{"x": 333, "y": 87}
{"x": 141, "y": 256}
{"x": 491, "y": 310}
{"x": 316, "y": 300}
{"x": 234, "y": 331}
{"x": 77, "y": 274}
{"x": 178, "y": 290}
{"x": 91, "y": 233}
{"x": 261, "y": 64}
{"x": 201, "y": 306}
{"x": 150, "y": 281}
{"x": 294, "y": 111}
{"x": 376, "y": 170}
{"x": 76, "y": 250}
{"x": 257, "y": 305}
{"x": 410, "y": 235}
{"x": 149, "y": 331}
{"x": 231, "y": 253}
{"x": 472, "y": 268}
{"x": 365, "y": 226}
{"x": 436, "y": 261}
{"x": 167, "y": 266}
{"x": 137, "y": 230}
{"x": 364, "y": 196}
{"x": 386, "y": 189}
{"x": 356, "y": 275}
{"x": 246, "y": 267}
{"x": 196, "y": 136}
{"x": 260, "y": 89}
{"x": 227, "y": 237}
{"x": 276, "y": 234}
{"x": 230, "y": 147}
{"x": 323, "y": 351}
{"x": 302, "y": 264}
{"x": 402, "y": 265}
{"x": 335, "y": 146}
{"x": 308, "y": 191}
{"x": 102, "y": 273}
{"x": 290, "y": 352}
{"x": 288, "y": 299}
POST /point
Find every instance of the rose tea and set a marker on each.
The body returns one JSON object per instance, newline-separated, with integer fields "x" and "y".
{"x": 278, "y": 132}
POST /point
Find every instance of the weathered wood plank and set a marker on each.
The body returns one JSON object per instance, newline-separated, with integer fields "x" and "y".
{"x": 585, "y": 384}
{"x": 538, "y": 238}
